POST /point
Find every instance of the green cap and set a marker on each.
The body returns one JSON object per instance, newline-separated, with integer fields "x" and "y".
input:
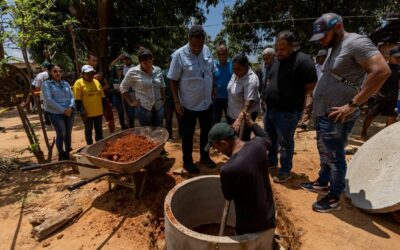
{"x": 219, "y": 132}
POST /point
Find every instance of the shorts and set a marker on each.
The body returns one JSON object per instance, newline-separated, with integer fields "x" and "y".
{"x": 380, "y": 106}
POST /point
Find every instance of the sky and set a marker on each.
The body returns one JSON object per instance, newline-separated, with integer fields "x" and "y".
{"x": 212, "y": 25}
{"x": 214, "y": 20}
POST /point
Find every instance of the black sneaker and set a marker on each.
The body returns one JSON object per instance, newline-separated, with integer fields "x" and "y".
{"x": 191, "y": 168}
{"x": 315, "y": 187}
{"x": 282, "y": 177}
{"x": 208, "y": 162}
{"x": 327, "y": 204}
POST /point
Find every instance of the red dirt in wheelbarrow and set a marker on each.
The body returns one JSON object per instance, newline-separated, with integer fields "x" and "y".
{"x": 127, "y": 148}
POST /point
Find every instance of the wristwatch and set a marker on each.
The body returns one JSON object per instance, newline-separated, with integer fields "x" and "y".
{"x": 352, "y": 104}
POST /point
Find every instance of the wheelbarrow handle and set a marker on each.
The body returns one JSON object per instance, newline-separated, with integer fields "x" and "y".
{"x": 84, "y": 182}
{"x": 31, "y": 167}
{"x": 52, "y": 164}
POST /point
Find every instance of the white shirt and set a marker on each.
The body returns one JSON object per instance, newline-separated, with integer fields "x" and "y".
{"x": 242, "y": 90}
{"x": 147, "y": 88}
{"x": 39, "y": 79}
{"x": 195, "y": 76}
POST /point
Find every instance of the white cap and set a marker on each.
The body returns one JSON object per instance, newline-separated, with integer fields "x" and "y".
{"x": 87, "y": 69}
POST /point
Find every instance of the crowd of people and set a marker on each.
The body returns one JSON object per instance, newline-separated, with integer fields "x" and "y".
{"x": 225, "y": 96}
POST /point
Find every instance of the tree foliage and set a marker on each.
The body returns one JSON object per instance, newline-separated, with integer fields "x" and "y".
{"x": 159, "y": 25}
{"x": 254, "y": 24}
{"x": 29, "y": 22}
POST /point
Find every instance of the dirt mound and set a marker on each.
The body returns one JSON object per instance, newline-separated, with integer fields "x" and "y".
{"x": 127, "y": 148}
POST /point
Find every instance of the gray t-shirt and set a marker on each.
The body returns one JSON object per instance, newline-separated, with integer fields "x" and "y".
{"x": 344, "y": 61}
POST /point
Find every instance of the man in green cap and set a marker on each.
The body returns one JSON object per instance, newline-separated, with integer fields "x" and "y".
{"x": 244, "y": 177}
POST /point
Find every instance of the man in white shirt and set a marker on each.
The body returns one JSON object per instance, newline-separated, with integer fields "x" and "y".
{"x": 191, "y": 78}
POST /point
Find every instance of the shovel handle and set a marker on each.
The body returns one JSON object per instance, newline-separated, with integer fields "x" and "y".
{"x": 224, "y": 218}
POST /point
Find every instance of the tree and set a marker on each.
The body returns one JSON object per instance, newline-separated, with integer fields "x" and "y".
{"x": 106, "y": 27}
{"x": 30, "y": 21}
{"x": 256, "y": 23}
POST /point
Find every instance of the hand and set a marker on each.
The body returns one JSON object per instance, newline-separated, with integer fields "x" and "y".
{"x": 135, "y": 103}
{"x": 339, "y": 114}
{"x": 121, "y": 56}
{"x": 236, "y": 125}
{"x": 68, "y": 112}
{"x": 214, "y": 94}
{"x": 179, "y": 108}
{"x": 247, "y": 117}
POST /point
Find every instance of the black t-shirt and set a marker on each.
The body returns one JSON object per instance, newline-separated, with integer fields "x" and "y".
{"x": 390, "y": 89}
{"x": 244, "y": 179}
{"x": 287, "y": 80}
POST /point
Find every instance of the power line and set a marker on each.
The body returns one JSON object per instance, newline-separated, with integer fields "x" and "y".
{"x": 214, "y": 25}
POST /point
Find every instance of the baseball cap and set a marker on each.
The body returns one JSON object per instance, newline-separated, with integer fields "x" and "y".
{"x": 324, "y": 24}
{"x": 219, "y": 132}
{"x": 87, "y": 69}
{"x": 322, "y": 52}
{"x": 395, "y": 52}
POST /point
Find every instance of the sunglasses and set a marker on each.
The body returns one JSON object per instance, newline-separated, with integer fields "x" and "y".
{"x": 57, "y": 71}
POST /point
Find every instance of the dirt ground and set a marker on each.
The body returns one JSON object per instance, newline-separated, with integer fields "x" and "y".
{"x": 116, "y": 220}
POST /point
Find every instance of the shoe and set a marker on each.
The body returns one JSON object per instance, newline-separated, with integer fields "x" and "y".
{"x": 327, "y": 204}
{"x": 282, "y": 177}
{"x": 208, "y": 162}
{"x": 315, "y": 187}
{"x": 63, "y": 156}
{"x": 191, "y": 168}
{"x": 48, "y": 125}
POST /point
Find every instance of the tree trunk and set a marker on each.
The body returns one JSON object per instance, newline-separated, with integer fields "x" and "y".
{"x": 1, "y": 51}
{"x": 27, "y": 64}
{"x": 104, "y": 17}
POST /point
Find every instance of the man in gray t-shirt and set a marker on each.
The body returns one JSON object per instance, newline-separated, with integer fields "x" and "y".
{"x": 352, "y": 72}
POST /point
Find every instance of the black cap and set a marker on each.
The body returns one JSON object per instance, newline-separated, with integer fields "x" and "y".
{"x": 324, "y": 24}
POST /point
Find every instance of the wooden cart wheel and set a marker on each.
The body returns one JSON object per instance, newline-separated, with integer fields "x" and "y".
{"x": 14, "y": 85}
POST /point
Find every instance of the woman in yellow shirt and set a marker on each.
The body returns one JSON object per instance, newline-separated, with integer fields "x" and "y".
{"x": 90, "y": 102}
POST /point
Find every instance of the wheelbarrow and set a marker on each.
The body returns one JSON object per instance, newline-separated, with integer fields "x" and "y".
{"x": 119, "y": 173}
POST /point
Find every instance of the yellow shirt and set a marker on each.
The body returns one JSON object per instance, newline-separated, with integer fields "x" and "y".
{"x": 91, "y": 94}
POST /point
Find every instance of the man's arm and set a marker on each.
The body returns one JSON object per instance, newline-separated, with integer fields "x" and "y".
{"x": 309, "y": 87}
{"x": 127, "y": 83}
{"x": 174, "y": 90}
{"x": 257, "y": 130}
{"x": 377, "y": 72}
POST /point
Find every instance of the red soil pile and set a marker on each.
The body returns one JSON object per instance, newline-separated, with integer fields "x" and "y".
{"x": 127, "y": 148}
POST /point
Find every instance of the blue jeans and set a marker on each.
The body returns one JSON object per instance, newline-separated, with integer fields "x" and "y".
{"x": 281, "y": 127}
{"x": 331, "y": 141}
{"x": 63, "y": 126}
{"x": 97, "y": 122}
{"x": 219, "y": 106}
{"x": 150, "y": 117}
